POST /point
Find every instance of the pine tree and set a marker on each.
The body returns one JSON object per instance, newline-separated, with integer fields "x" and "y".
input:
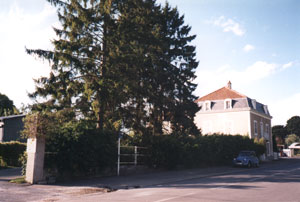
{"x": 121, "y": 59}
{"x": 182, "y": 66}
{"x": 160, "y": 66}
{"x": 80, "y": 76}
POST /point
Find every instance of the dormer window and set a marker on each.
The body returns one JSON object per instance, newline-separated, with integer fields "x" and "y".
{"x": 254, "y": 103}
{"x": 207, "y": 105}
{"x": 266, "y": 109}
{"x": 228, "y": 104}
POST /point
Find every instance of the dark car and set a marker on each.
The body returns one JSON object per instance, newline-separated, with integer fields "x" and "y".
{"x": 246, "y": 159}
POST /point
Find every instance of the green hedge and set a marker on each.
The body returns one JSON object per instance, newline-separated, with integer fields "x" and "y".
{"x": 10, "y": 152}
{"x": 80, "y": 152}
{"x": 171, "y": 151}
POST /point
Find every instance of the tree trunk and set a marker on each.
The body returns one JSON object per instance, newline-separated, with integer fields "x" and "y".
{"x": 100, "y": 118}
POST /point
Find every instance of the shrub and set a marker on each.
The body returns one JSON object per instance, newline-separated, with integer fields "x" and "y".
{"x": 80, "y": 152}
{"x": 290, "y": 139}
{"x": 10, "y": 153}
{"x": 73, "y": 147}
{"x": 171, "y": 150}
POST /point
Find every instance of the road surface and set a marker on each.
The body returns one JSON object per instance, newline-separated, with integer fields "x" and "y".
{"x": 275, "y": 181}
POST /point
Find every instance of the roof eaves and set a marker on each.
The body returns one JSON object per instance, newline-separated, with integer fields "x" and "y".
{"x": 11, "y": 117}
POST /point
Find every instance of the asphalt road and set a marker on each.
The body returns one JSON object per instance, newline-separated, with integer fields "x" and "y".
{"x": 275, "y": 181}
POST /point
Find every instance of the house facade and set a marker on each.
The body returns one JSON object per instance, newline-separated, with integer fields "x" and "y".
{"x": 11, "y": 127}
{"x": 229, "y": 112}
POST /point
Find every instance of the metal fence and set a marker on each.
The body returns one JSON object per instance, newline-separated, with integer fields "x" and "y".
{"x": 131, "y": 155}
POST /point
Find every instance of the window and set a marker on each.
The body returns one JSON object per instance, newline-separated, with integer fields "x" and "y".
{"x": 207, "y": 105}
{"x": 255, "y": 127}
{"x": 266, "y": 109}
{"x": 227, "y": 104}
{"x": 254, "y": 103}
{"x": 267, "y": 129}
{"x": 268, "y": 146}
{"x": 261, "y": 129}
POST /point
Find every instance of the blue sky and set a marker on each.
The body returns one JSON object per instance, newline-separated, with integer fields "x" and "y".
{"x": 254, "y": 44}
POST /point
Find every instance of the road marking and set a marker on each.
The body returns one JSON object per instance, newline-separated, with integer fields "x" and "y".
{"x": 175, "y": 197}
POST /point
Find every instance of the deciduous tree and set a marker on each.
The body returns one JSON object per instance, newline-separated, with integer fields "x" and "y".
{"x": 7, "y": 106}
{"x": 293, "y": 125}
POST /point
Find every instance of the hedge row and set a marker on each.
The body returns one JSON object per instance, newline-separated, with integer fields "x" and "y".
{"x": 10, "y": 152}
{"x": 171, "y": 151}
{"x": 85, "y": 152}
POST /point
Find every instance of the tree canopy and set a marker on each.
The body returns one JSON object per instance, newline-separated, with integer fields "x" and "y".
{"x": 7, "y": 106}
{"x": 293, "y": 125}
{"x": 292, "y": 138}
{"x": 121, "y": 61}
{"x": 279, "y": 132}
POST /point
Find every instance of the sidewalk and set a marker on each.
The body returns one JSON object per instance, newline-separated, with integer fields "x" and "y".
{"x": 10, "y": 173}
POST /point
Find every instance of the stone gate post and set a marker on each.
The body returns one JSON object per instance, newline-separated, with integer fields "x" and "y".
{"x": 35, "y": 159}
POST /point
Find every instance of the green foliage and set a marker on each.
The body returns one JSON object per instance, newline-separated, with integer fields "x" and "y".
{"x": 73, "y": 147}
{"x": 280, "y": 132}
{"x": 23, "y": 162}
{"x": 159, "y": 63}
{"x": 121, "y": 60}
{"x": 170, "y": 151}
{"x": 10, "y": 153}
{"x": 293, "y": 125}
{"x": 80, "y": 151}
{"x": 275, "y": 149}
{"x": 20, "y": 180}
{"x": 290, "y": 139}
{"x": 7, "y": 106}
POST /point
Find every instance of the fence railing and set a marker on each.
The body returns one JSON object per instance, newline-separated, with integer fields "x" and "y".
{"x": 134, "y": 155}
{"x": 130, "y": 155}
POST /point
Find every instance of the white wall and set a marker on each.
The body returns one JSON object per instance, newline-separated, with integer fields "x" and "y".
{"x": 227, "y": 122}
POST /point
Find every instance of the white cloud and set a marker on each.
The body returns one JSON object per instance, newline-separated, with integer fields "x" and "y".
{"x": 287, "y": 65}
{"x": 248, "y": 47}
{"x": 20, "y": 29}
{"x": 211, "y": 80}
{"x": 284, "y": 109}
{"x": 228, "y": 25}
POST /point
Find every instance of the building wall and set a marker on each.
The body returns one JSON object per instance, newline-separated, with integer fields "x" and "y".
{"x": 260, "y": 120}
{"x": 12, "y": 129}
{"x": 263, "y": 130}
{"x": 227, "y": 122}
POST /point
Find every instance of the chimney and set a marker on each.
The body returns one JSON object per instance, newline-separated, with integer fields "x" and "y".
{"x": 229, "y": 85}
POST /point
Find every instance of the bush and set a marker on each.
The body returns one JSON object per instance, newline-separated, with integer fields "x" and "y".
{"x": 84, "y": 152}
{"x": 73, "y": 147}
{"x": 290, "y": 139}
{"x": 169, "y": 151}
{"x": 10, "y": 153}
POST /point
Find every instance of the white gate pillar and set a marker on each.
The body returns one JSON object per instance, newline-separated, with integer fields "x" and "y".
{"x": 35, "y": 159}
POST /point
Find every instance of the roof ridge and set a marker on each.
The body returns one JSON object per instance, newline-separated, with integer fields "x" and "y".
{"x": 209, "y": 93}
{"x": 244, "y": 96}
{"x": 220, "y": 94}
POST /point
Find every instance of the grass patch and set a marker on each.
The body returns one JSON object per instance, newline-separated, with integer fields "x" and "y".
{"x": 19, "y": 180}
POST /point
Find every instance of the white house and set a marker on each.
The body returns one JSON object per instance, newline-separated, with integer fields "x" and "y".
{"x": 229, "y": 112}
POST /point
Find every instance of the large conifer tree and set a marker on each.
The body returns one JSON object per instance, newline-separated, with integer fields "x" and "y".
{"x": 121, "y": 59}
{"x": 80, "y": 76}
{"x": 160, "y": 63}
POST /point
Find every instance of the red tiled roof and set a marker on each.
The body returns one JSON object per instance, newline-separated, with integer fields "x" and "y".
{"x": 221, "y": 94}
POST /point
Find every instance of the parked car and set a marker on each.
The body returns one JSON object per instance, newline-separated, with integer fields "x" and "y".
{"x": 246, "y": 159}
